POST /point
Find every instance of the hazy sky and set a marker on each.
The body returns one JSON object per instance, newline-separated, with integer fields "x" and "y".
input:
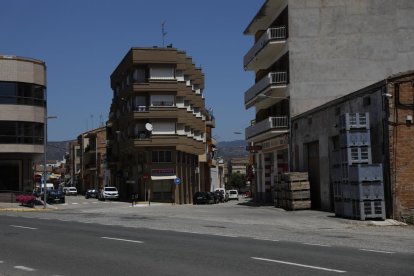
{"x": 82, "y": 41}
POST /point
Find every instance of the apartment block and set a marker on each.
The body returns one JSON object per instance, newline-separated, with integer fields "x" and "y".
{"x": 22, "y": 118}
{"x": 159, "y": 131}
{"x": 307, "y": 53}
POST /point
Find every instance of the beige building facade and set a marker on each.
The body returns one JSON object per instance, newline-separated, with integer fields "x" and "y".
{"x": 22, "y": 117}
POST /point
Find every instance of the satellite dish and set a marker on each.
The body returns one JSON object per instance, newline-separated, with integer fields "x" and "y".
{"x": 148, "y": 127}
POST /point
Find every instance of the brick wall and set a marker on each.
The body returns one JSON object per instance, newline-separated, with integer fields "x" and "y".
{"x": 401, "y": 138}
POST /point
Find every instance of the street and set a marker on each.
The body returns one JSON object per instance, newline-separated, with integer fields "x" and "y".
{"x": 88, "y": 237}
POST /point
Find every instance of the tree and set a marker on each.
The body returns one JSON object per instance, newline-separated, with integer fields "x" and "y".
{"x": 236, "y": 181}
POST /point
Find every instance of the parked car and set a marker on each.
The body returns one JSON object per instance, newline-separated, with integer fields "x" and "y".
{"x": 220, "y": 196}
{"x": 223, "y": 195}
{"x": 91, "y": 193}
{"x": 109, "y": 193}
{"x": 203, "y": 198}
{"x": 233, "y": 194}
{"x": 54, "y": 196}
{"x": 70, "y": 191}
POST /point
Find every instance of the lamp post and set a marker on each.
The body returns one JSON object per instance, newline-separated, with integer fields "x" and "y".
{"x": 44, "y": 154}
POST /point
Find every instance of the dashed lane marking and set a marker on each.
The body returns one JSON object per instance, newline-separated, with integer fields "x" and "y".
{"x": 377, "y": 251}
{"x": 300, "y": 265}
{"x": 316, "y": 244}
{"x": 259, "y": 239}
{"x": 25, "y": 268}
{"x": 116, "y": 239}
{"x": 24, "y": 227}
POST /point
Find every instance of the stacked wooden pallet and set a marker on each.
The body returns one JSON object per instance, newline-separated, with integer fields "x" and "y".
{"x": 292, "y": 192}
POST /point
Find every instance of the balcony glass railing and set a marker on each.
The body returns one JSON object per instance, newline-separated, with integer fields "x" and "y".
{"x": 271, "y": 123}
{"x": 271, "y": 34}
{"x": 273, "y": 78}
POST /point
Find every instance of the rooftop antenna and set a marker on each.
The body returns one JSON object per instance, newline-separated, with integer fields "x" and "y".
{"x": 163, "y": 33}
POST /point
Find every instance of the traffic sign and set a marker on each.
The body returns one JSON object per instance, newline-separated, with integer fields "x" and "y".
{"x": 177, "y": 181}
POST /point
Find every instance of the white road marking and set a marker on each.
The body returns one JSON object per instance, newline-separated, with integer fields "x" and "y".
{"x": 225, "y": 235}
{"x": 24, "y": 227}
{"x": 75, "y": 203}
{"x": 317, "y": 244}
{"x": 85, "y": 202}
{"x": 301, "y": 265}
{"x": 95, "y": 202}
{"x": 265, "y": 240}
{"x": 377, "y": 251}
{"x": 1, "y": 262}
{"x": 116, "y": 239}
{"x": 25, "y": 268}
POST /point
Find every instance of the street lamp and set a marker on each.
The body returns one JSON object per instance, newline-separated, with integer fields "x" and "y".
{"x": 44, "y": 155}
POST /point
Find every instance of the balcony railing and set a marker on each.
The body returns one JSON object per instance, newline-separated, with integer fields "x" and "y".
{"x": 278, "y": 33}
{"x": 271, "y": 123}
{"x": 273, "y": 78}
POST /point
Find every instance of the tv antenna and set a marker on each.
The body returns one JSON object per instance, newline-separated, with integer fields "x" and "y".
{"x": 163, "y": 33}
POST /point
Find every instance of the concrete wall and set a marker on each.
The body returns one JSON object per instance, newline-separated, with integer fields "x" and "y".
{"x": 322, "y": 125}
{"x": 340, "y": 46}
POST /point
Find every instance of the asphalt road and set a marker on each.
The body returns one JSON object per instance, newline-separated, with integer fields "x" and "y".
{"x": 51, "y": 247}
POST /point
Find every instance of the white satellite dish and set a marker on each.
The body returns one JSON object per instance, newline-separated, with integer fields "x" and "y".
{"x": 148, "y": 127}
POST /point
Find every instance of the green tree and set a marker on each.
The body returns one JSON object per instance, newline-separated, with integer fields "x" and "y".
{"x": 236, "y": 181}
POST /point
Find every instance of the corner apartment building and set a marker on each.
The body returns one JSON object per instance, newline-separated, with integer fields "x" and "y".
{"x": 307, "y": 53}
{"x": 22, "y": 118}
{"x": 73, "y": 163}
{"x": 159, "y": 129}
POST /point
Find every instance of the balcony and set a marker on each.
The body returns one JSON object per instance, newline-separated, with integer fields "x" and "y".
{"x": 266, "y": 50}
{"x": 271, "y": 126}
{"x": 273, "y": 81}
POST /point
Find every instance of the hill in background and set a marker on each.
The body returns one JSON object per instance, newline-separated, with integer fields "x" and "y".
{"x": 232, "y": 149}
{"x": 57, "y": 150}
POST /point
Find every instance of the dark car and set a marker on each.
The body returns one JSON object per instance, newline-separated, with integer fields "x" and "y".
{"x": 220, "y": 196}
{"x": 203, "y": 198}
{"x": 91, "y": 193}
{"x": 54, "y": 196}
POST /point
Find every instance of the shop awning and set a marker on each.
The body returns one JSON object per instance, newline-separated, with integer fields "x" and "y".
{"x": 164, "y": 177}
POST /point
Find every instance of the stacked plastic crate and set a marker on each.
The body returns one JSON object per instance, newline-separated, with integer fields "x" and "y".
{"x": 358, "y": 184}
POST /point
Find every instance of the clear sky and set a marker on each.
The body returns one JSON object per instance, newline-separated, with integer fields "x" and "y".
{"x": 82, "y": 41}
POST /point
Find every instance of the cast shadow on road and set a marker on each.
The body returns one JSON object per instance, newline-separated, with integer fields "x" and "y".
{"x": 251, "y": 203}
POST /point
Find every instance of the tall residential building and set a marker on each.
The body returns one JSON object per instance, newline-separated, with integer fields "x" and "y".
{"x": 306, "y": 53}
{"x": 22, "y": 117}
{"x": 159, "y": 130}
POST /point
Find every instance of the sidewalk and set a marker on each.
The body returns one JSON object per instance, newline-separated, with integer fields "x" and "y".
{"x": 17, "y": 207}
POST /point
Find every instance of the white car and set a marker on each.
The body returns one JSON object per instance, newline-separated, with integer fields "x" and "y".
{"x": 70, "y": 191}
{"x": 109, "y": 193}
{"x": 233, "y": 194}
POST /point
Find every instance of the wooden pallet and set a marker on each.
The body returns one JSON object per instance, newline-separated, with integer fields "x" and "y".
{"x": 294, "y": 186}
{"x": 296, "y": 195}
{"x": 292, "y": 205}
{"x": 295, "y": 176}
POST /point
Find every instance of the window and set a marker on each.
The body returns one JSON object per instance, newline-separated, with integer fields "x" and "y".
{"x": 161, "y": 156}
{"x": 21, "y": 93}
{"x": 163, "y": 128}
{"x": 21, "y": 133}
{"x": 78, "y": 152}
{"x": 366, "y": 101}
{"x": 162, "y": 73}
{"x": 162, "y": 100}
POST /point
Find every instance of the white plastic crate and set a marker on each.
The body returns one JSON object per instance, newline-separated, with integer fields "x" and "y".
{"x": 355, "y": 138}
{"x": 363, "y": 191}
{"x": 353, "y": 155}
{"x": 365, "y": 172}
{"x": 364, "y": 209}
{"x": 350, "y": 121}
